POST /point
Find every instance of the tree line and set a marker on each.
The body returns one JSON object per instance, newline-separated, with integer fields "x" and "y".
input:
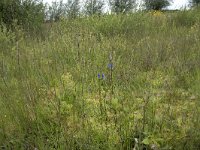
{"x": 31, "y": 13}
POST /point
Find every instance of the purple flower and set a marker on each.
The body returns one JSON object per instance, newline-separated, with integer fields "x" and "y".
{"x": 99, "y": 76}
{"x": 110, "y": 66}
{"x": 103, "y": 76}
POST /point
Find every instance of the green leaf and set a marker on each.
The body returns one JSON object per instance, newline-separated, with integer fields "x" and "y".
{"x": 146, "y": 141}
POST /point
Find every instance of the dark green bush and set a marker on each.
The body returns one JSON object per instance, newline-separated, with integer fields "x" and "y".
{"x": 27, "y": 13}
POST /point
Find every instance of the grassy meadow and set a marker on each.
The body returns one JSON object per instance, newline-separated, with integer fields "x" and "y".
{"x": 113, "y": 82}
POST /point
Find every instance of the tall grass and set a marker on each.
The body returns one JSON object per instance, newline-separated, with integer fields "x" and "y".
{"x": 53, "y": 94}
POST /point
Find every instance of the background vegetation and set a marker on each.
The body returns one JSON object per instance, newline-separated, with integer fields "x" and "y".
{"x": 102, "y": 82}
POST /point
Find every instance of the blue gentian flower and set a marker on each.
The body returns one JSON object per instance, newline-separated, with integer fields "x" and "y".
{"x": 99, "y": 76}
{"x": 110, "y": 66}
{"x": 103, "y": 76}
